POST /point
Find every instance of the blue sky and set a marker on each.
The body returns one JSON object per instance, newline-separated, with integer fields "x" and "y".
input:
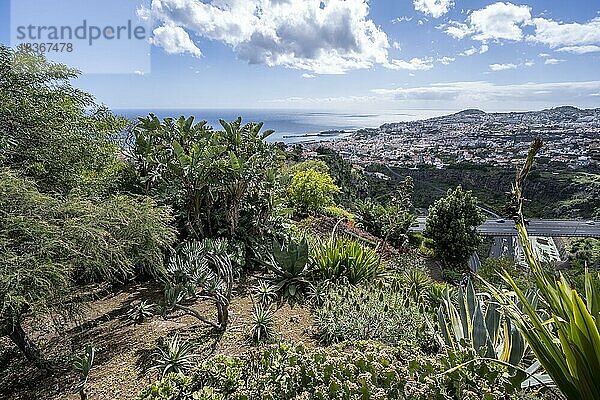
{"x": 339, "y": 55}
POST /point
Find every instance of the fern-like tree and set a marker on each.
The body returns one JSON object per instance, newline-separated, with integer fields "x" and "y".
{"x": 50, "y": 244}
{"x": 53, "y": 132}
{"x": 451, "y": 224}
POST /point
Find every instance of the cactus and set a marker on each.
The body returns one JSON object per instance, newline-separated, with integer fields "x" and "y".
{"x": 479, "y": 326}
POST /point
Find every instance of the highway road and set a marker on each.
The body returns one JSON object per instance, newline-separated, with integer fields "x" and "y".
{"x": 537, "y": 227}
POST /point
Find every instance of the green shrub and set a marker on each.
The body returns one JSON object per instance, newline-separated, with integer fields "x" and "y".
{"x": 341, "y": 258}
{"x": 361, "y": 370}
{"x": 340, "y": 213}
{"x": 372, "y": 313}
{"x": 221, "y": 183}
{"x": 312, "y": 190}
{"x": 390, "y": 221}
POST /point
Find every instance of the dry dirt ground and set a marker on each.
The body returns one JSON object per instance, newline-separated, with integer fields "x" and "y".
{"x": 121, "y": 345}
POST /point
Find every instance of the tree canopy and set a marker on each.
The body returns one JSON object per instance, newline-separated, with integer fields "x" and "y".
{"x": 49, "y": 130}
{"x": 451, "y": 224}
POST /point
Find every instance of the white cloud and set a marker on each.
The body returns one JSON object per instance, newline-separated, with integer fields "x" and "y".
{"x": 415, "y": 64}
{"x": 469, "y": 52}
{"x": 472, "y": 50}
{"x": 555, "y": 34}
{"x": 308, "y": 76}
{"x": 461, "y": 95}
{"x": 553, "y": 61}
{"x": 506, "y": 21}
{"x": 396, "y": 45}
{"x": 458, "y": 30}
{"x": 481, "y": 92}
{"x": 401, "y": 19}
{"x": 529, "y": 63}
{"x": 543, "y": 55}
{"x": 499, "y": 21}
{"x": 446, "y": 60}
{"x": 435, "y": 8}
{"x": 292, "y": 33}
{"x": 174, "y": 40}
{"x": 502, "y": 67}
{"x": 580, "y": 49}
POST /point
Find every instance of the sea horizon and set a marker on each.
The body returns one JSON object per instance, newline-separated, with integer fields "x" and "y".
{"x": 292, "y": 125}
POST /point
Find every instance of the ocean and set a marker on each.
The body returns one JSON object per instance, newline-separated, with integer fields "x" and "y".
{"x": 293, "y": 126}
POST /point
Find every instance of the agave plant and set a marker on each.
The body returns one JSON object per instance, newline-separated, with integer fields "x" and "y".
{"x": 83, "y": 365}
{"x": 479, "y": 326}
{"x": 567, "y": 343}
{"x": 174, "y": 356}
{"x": 141, "y": 311}
{"x": 290, "y": 263}
{"x": 263, "y": 319}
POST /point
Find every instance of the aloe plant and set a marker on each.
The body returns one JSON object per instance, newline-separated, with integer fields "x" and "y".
{"x": 480, "y": 326}
{"x": 263, "y": 320}
{"x": 567, "y": 343}
{"x": 175, "y": 355}
{"x": 83, "y": 365}
{"x": 200, "y": 270}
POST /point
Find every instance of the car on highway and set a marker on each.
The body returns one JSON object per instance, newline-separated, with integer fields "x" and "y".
{"x": 500, "y": 221}
{"x": 591, "y": 222}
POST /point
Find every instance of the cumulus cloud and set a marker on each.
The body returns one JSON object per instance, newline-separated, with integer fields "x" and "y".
{"x": 502, "y": 67}
{"x": 553, "y": 61}
{"x": 458, "y": 30}
{"x": 308, "y": 76}
{"x": 435, "y": 8}
{"x": 320, "y": 37}
{"x": 174, "y": 40}
{"x": 555, "y": 34}
{"x": 472, "y": 50}
{"x": 506, "y": 21}
{"x": 499, "y": 21}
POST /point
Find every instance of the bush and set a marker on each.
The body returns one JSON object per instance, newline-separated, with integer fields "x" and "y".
{"x": 341, "y": 258}
{"x": 340, "y": 213}
{"x": 312, "y": 190}
{"x": 371, "y": 313}
{"x": 362, "y": 370}
{"x": 221, "y": 183}
{"x": 49, "y": 243}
